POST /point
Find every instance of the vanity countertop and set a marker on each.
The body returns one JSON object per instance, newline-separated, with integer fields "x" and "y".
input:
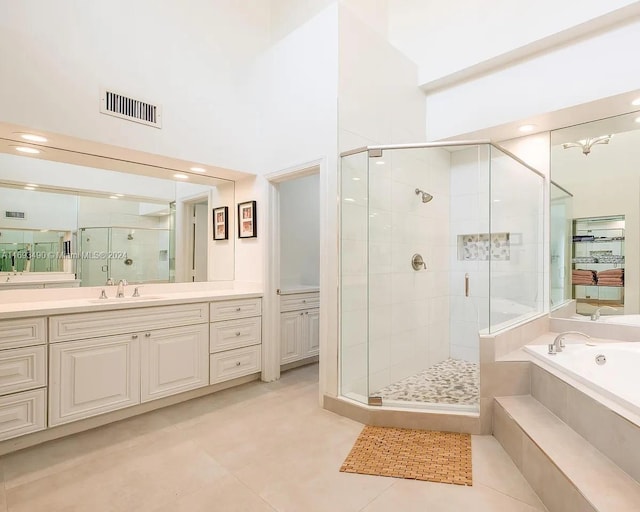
{"x": 65, "y": 305}
{"x": 292, "y": 290}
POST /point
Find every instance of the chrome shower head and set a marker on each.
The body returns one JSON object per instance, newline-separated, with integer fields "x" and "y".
{"x": 426, "y": 197}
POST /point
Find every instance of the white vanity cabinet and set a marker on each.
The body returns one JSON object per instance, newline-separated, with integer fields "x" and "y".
{"x": 23, "y": 376}
{"x": 299, "y": 326}
{"x": 235, "y": 339}
{"x": 104, "y": 361}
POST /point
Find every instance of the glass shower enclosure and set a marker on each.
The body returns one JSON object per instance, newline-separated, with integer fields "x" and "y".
{"x": 135, "y": 254}
{"x": 438, "y": 243}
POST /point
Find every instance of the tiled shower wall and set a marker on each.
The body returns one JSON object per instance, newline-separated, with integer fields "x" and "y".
{"x": 408, "y": 316}
{"x": 469, "y": 215}
{"x": 409, "y": 309}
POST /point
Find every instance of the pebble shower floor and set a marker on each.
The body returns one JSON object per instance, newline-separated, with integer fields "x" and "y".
{"x": 452, "y": 381}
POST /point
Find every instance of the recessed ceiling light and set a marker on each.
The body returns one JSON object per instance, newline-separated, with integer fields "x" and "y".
{"x": 32, "y": 137}
{"x": 32, "y": 185}
{"x": 119, "y": 195}
{"x": 113, "y": 197}
{"x": 636, "y": 102}
{"x": 198, "y": 169}
{"x": 637, "y": 119}
{"x": 380, "y": 162}
{"x": 497, "y": 200}
{"x": 527, "y": 127}
{"x": 355, "y": 179}
{"x": 30, "y": 151}
{"x": 350, "y": 199}
{"x": 29, "y": 188}
{"x": 180, "y": 176}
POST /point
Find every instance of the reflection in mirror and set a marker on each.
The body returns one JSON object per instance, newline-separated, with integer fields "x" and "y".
{"x": 65, "y": 224}
{"x": 595, "y": 220}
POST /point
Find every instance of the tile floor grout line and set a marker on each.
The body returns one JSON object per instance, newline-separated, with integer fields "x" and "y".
{"x": 514, "y": 497}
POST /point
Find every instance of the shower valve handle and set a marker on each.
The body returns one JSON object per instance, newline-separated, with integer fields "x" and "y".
{"x": 417, "y": 262}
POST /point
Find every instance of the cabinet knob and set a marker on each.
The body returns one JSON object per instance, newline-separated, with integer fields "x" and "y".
{"x": 304, "y": 301}
{"x": 301, "y": 314}
{"x": 238, "y": 363}
{"x": 238, "y": 309}
{"x": 306, "y": 312}
{"x": 238, "y": 333}
{"x": 147, "y": 334}
{"x": 134, "y": 336}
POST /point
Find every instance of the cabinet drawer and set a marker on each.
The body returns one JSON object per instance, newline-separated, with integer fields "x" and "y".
{"x": 22, "y": 369}
{"x": 235, "y": 363}
{"x": 299, "y": 301}
{"x": 22, "y": 413}
{"x": 22, "y": 332}
{"x": 230, "y": 309}
{"x": 107, "y": 323}
{"x": 235, "y": 334}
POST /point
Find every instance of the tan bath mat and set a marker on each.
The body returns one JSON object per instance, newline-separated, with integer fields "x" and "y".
{"x": 417, "y": 454}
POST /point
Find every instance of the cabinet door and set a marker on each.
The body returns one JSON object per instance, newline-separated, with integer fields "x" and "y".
{"x": 312, "y": 333}
{"x": 291, "y": 333}
{"x": 91, "y": 377}
{"x": 174, "y": 360}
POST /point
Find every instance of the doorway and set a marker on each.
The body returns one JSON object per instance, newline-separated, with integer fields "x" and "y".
{"x": 198, "y": 241}
{"x": 294, "y": 270}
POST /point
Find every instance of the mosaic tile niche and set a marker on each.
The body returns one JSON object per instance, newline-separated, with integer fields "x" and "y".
{"x": 481, "y": 246}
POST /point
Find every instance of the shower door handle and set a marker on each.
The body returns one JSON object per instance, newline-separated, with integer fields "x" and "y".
{"x": 466, "y": 285}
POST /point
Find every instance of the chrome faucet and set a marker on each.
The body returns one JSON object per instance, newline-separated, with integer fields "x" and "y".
{"x": 596, "y": 314}
{"x": 558, "y": 343}
{"x": 110, "y": 282}
{"x": 120, "y": 292}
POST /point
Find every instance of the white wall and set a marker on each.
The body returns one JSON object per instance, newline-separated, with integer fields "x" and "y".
{"x": 444, "y": 38}
{"x": 572, "y": 74}
{"x": 300, "y": 232}
{"x": 193, "y": 61}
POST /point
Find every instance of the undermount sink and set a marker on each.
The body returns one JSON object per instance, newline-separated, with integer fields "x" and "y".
{"x": 112, "y": 300}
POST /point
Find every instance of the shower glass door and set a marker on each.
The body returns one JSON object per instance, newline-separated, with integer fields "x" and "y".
{"x": 93, "y": 264}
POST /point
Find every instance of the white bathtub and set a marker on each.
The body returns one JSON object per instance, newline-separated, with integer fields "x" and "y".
{"x": 618, "y": 379}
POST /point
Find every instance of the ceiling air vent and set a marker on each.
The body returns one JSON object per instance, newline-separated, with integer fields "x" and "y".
{"x": 14, "y": 215}
{"x": 118, "y": 105}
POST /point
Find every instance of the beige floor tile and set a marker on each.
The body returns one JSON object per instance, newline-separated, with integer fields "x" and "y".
{"x": 259, "y": 447}
{"x": 227, "y": 494}
{"x": 493, "y": 468}
{"x": 3, "y": 494}
{"x": 55, "y": 456}
{"x": 414, "y": 496}
{"x": 140, "y": 479}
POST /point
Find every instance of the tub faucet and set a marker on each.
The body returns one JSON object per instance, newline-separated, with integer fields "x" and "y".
{"x": 558, "y": 343}
{"x": 120, "y": 292}
{"x": 596, "y": 314}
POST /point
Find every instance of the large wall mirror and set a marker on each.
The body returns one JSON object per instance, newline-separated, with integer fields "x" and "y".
{"x": 65, "y": 222}
{"x": 595, "y": 220}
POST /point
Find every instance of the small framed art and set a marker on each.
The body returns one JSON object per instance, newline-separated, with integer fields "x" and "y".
{"x": 247, "y": 227}
{"x": 221, "y": 223}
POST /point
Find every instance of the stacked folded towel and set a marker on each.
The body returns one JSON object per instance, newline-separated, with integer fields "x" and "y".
{"x": 611, "y": 277}
{"x": 583, "y": 277}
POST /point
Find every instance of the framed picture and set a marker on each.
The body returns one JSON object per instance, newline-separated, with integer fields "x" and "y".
{"x": 247, "y": 220}
{"x": 221, "y": 223}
